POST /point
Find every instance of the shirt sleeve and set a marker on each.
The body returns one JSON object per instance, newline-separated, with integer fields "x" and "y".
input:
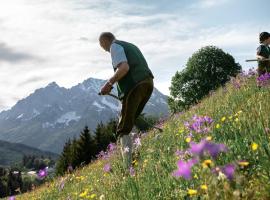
{"x": 118, "y": 55}
{"x": 259, "y": 50}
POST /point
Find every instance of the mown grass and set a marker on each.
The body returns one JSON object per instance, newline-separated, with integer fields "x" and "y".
{"x": 245, "y": 112}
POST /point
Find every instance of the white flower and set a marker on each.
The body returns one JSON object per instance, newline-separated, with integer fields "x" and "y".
{"x": 126, "y": 149}
{"x": 137, "y": 142}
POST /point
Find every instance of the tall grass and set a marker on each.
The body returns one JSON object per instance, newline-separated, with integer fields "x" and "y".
{"x": 241, "y": 113}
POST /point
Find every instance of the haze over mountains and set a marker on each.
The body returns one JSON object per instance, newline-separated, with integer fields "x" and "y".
{"x": 49, "y": 116}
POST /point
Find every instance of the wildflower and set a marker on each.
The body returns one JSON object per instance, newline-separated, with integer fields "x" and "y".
{"x": 102, "y": 197}
{"x": 223, "y": 119}
{"x": 42, "y": 173}
{"x": 107, "y": 168}
{"x": 184, "y": 169}
{"x": 217, "y": 126}
{"x": 137, "y": 142}
{"x": 254, "y": 146}
{"x": 196, "y": 176}
{"x": 228, "y": 170}
{"x": 84, "y": 194}
{"x": 131, "y": 171}
{"x": 192, "y": 192}
{"x": 208, "y": 138}
{"x": 243, "y": 163}
{"x": 206, "y": 146}
{"x": 111, "y": 147}
{"x": 92, "y": 196}
{"x": 236, "y": 120}
{"x": 230, "y": 118}
{"x": 204, "y": 187}
{"x": 206, "y": 163}
{"x": 263, "y": 80}
{"x": 135, "y": 163}
{"x": 126, "y": 149}
{"x": 188, "y": 139}
{"x": 11, "y": 198}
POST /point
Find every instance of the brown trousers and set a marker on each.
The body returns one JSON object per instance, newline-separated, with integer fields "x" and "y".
{"x": 133, "y": 104}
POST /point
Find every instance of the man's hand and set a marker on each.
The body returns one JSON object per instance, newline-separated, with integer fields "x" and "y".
{"x": 106, "y": 88}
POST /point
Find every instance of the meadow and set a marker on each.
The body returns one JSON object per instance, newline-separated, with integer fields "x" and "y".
{"x": 218, "y": 149}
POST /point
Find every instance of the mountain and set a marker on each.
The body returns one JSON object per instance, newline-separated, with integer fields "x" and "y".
{"x": 13, "y": 153}
{"x": 49, "y": 116}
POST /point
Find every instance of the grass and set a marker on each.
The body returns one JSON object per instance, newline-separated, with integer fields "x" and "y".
{"x": 241, "y": 121}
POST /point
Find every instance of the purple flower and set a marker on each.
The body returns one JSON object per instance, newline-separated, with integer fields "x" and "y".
{"x": 206, "y": 146}
{"x": 11, "y": 198}
{"x": 42, "y": 173}
{"x": 137, "y": 142}
{"x": 197, "y": 149}
{"x": 228, "y": 170}
{"x": 107, "y": 168}
{"x": 184, "y": 169}
{"x": 214, "y": 149}
{"x": 263, "y": 80}
{"x": 132, "y": 171}
{"x": 111, "y": 147}
{"x": 199, "y": 124}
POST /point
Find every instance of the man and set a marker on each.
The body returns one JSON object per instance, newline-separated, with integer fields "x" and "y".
{"x": 134, "y": 85}
{"x": 263, "y": 52}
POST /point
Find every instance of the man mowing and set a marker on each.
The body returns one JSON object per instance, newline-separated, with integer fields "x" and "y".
{"x": 134, "y": 85}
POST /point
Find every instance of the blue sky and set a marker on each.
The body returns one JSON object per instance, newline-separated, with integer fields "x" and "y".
{"x": 57, "y": 40}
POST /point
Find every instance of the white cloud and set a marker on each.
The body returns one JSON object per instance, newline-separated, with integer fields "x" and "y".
{"x": 63, "y": 35}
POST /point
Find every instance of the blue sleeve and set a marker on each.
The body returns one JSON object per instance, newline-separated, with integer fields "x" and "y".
{"x": 118, "y": 55}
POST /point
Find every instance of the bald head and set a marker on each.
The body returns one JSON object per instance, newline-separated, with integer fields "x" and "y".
{"x": 105, "y": 40}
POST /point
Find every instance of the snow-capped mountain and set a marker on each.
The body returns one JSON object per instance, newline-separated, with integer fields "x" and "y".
{"x": 50, "y": 115}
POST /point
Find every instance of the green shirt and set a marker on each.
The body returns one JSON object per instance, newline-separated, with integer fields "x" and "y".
{"x": 264, "y": 50}
{"x": 138, "y": 68}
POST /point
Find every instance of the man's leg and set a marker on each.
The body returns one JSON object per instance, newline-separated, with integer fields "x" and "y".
{"x": 130, "y": 106}
{"x": 126, "y": 149}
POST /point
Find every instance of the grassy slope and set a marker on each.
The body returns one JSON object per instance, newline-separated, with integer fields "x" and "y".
{"x": 153, "y": 178}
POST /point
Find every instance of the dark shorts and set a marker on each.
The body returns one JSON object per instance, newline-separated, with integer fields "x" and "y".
{"x": 133, "y": 104}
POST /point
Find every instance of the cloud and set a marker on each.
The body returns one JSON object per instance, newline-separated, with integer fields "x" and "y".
{"x": 65, "y": 34}
{"x": 8, "y": 54}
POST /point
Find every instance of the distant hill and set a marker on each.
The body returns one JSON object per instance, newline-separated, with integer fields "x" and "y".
{"x": 49, "y": 116}
{"x": 12, "y": 153}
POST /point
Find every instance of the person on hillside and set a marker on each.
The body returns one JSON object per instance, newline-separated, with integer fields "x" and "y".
{"x": 263, "y": 52}
{"x": 134, "y": 85}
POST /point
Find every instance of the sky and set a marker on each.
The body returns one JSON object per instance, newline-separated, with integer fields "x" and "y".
{"x": 43, "y": 41}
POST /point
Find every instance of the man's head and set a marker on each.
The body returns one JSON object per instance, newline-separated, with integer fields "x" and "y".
{"x": 265, "y": 38}
{"x": 105, "y": 40}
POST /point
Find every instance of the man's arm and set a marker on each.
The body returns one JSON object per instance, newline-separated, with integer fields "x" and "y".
{"x": 121, "y": 71}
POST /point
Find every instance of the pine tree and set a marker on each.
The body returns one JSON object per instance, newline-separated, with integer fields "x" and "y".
{"x": 64, "y": 158}
{"x": 87, "y": 147}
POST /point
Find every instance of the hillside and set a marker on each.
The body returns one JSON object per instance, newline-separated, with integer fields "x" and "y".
{"x": 236, "y": 117}
{"x": 13, "y": 153}
{"x": 50, "y": 115}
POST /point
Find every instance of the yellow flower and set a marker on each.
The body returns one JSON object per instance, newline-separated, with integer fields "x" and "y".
{"x": 223, "y": 119}
{"x": 230, "y": 117}
{"x": 196, "y": 176}
{"x": 135, "y": 162}
{"x": 188, "y": 139}
{"x": 83, "y": 194}
{"x": 204, "y": 187}
{"x": 93, "y": 196}
{"x": 254, "y": 146}
{"x": 206, "y": 163}
{"x": 236, "y": 120}
{"x": 240, "y": 111}
{"x": 243, "y": 163}
{"x": 209, "y": 138}
{"x": 218, "y": 126}
{"x": 192, "y": 192}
